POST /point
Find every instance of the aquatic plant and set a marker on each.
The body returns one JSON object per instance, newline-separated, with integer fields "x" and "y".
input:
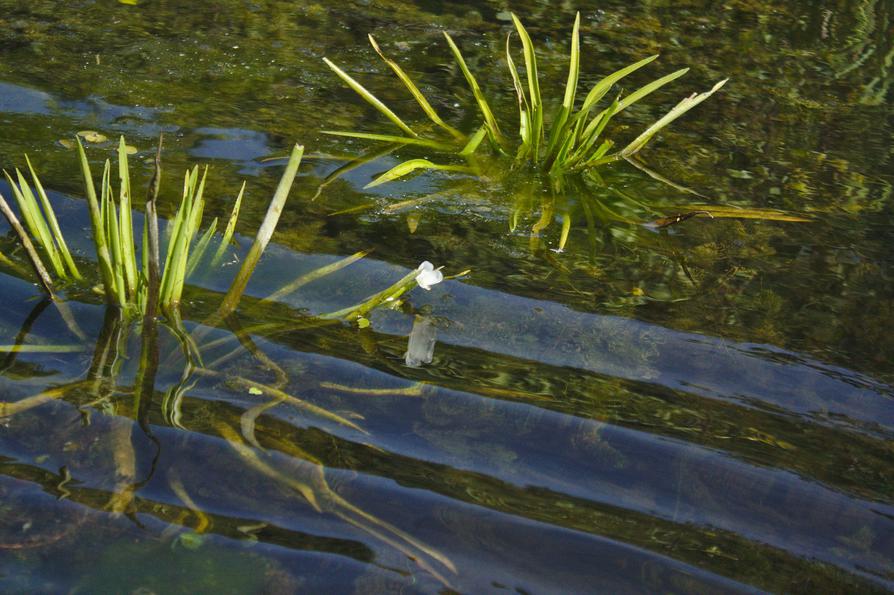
{"x": 127, "y": 283}
{"x": 575, "y": 140}
{"x": 140, "y": 283}
{"x": 42, "y": 224}
{"x": 108, "y": 386}
{"x": 132, "y": 282}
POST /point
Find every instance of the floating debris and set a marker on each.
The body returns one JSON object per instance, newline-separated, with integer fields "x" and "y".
{"x": 92, "y": 136}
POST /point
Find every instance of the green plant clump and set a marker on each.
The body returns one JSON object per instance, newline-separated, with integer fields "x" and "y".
{"x": 149, "y": 287}
{"x": 575, "y": 141}
{"x": 125, "y": 282}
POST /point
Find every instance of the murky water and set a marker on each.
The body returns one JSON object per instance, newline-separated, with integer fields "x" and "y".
{"x": 707, "y": 407}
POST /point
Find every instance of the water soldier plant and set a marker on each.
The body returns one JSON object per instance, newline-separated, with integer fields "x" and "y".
{"x": 128, "y": 281}
{"x": 138, "y": 283}
{"x": 131, "y": 289}
{"x": 575, "y": 139}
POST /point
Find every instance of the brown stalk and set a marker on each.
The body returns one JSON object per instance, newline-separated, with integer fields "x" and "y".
{"x": 152, "y": 233}
{"x": 33, "y": 257}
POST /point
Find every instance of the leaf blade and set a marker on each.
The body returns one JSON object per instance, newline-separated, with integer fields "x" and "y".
{"x": 99, "y": 236}
{"x": 677, "y": 111}
{"x": 489, "y": 119}
{"x": 402, "y": 169}
{"x": 533, "y": 86}
{"x": 369, "y": 97}
{"x": 388, "y": 138}
{"x": 559, "y": 133}
{"x": 53, "y": 222}
{"x": 415, "y": 92}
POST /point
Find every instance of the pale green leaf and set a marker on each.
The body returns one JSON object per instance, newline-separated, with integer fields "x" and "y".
{"x": 369, "y": 97}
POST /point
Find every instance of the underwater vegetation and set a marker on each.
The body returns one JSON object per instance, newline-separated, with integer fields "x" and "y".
{"x": 572, "y": 141}
{"x": 563, "y": 153}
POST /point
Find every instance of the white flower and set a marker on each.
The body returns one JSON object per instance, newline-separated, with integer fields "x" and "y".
{"x": 428, "y": 275}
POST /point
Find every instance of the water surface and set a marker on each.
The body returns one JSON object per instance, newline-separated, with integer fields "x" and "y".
{"x": 704, "y": 408}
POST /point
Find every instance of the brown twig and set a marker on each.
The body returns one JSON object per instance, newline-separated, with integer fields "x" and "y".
{"x": 33, "y": 257}
{"x": 152, "y": 233}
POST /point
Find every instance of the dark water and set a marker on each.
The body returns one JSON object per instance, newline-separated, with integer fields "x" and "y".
{"x": 705, "y": 408}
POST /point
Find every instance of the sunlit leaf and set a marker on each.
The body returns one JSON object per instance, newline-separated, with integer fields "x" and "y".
{"x": 559, "y": 134}
{"x": 316, "y": 274}
{"x": 524, "y": 110}
{"x": 489, "y": 119}
{"x": 678, "y": 110}
{"x": 731, "y": 212}
{"x": 369, "y": 97}
{"x": 230, "y": 229}
{"x": 414, "y": 90}
{"x": 99, "y": 236}
{"x": 536, "y": 118}
{"x": 410, "y": 166}
{"x": 404, "y": 140}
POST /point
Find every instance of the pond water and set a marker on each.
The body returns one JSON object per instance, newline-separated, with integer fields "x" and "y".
{"x": 599, "y": 405}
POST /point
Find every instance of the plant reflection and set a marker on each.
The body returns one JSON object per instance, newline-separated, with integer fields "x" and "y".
{"x": 104, "y": 383}
{"x": 421, "y": 343}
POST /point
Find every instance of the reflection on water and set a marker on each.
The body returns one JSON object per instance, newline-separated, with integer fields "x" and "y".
{"x": 600, "y": 405}
{"x": 19, "y": 100}
{"x": 446, "y": 474}
{"x": 421, "y": 344}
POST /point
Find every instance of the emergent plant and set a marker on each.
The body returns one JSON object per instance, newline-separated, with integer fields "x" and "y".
{"x": 575, "y": 140}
